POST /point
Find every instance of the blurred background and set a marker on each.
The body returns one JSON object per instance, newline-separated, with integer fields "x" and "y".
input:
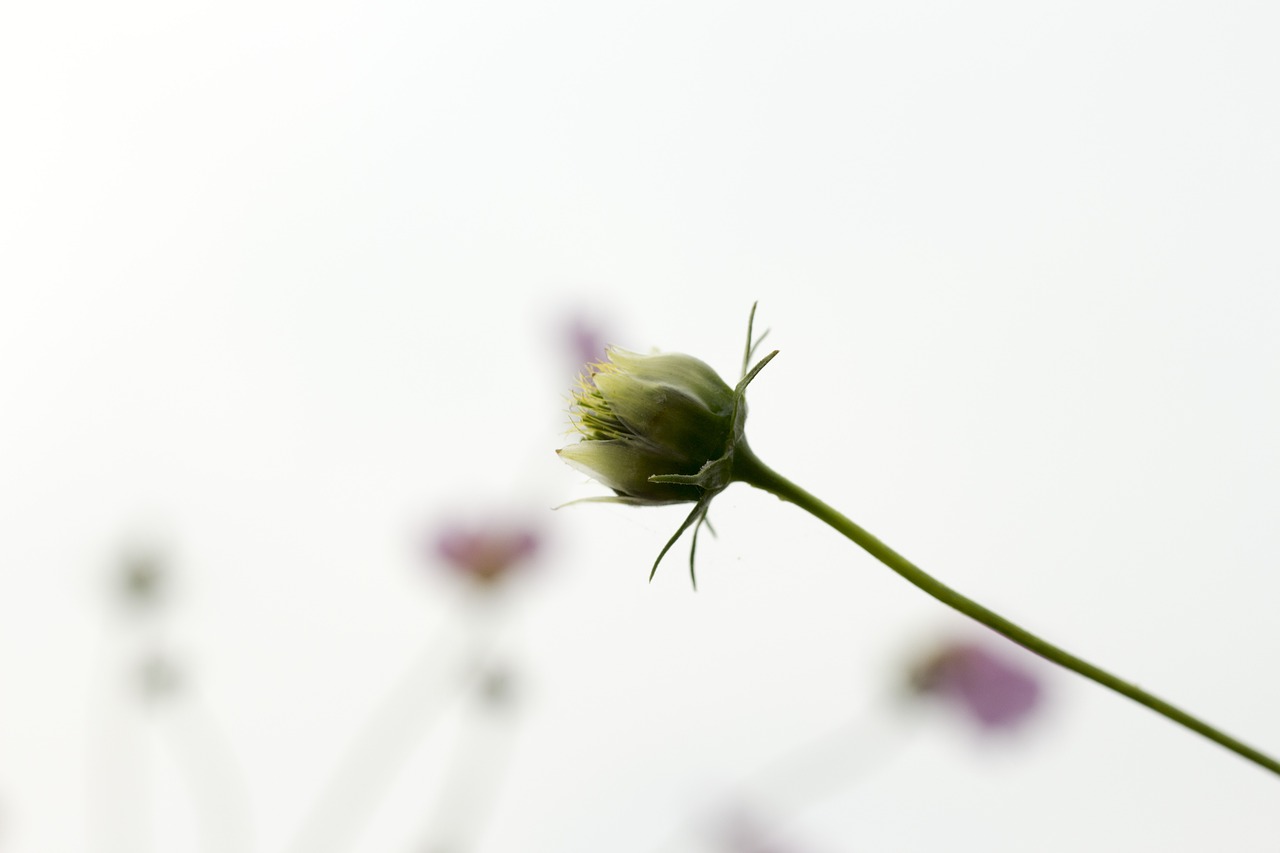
{"x": 291, "y": 300}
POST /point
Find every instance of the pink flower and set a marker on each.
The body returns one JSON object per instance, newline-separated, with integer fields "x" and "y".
{"x": 486, "y": 553}
{"x": 997, "y": 694}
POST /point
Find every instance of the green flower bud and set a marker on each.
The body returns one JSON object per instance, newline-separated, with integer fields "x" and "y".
{"x": 662, "y": 428}
{"x": 650, "y": 415}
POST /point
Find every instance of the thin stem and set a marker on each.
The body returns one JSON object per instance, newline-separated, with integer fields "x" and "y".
{"x": 478, "y": 763}
{"x": 804, "y": 776}
{"x": 216, "y": 788}
{"x": 749, "y": 469}
{"x": 378, "y": 751}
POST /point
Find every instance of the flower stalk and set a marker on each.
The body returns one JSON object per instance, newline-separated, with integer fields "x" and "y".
{"x": 666, "y": 429}
{"x": 752, "y": 471}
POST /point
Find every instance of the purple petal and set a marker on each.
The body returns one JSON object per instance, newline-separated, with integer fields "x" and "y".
{"x": 486, "y": 553}
{"x": 586, "y": 342}
{"x": 996, "y": 693}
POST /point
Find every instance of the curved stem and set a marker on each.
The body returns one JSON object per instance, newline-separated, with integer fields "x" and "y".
{"x": 749, "y": 469}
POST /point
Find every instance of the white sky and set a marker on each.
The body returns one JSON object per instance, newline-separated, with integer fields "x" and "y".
{"x": 282, "y": 285}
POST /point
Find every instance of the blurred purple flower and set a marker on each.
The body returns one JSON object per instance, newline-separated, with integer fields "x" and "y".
{"x": 994, "y": 692}
{"x": 487, "y": 553}
{"x": 585, "y": 341}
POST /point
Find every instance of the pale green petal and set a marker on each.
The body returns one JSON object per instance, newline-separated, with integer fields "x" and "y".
{"x": 685, "y": 373}
{"x": 616, "y": 499}
{"x": 666, "y": 415}
{"x": 626, "y": 467}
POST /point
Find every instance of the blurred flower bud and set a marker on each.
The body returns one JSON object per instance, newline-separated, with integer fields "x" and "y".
{"x": 158, "y": 677}
{"x": 497, "y": 686}
{"x": 142, "y": 581}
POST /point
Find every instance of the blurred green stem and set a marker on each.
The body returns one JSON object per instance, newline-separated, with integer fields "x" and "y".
{"x": 749, "y": 469}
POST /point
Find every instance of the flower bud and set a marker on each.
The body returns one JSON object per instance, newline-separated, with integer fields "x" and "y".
{"x": 661, "y": 429}
{"x": 652, "y": 415}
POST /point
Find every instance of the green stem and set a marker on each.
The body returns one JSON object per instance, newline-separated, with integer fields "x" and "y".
{"x": 749, "y": 469}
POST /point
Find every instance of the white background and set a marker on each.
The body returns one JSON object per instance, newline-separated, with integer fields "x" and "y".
{"x": 284, "y": 286}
